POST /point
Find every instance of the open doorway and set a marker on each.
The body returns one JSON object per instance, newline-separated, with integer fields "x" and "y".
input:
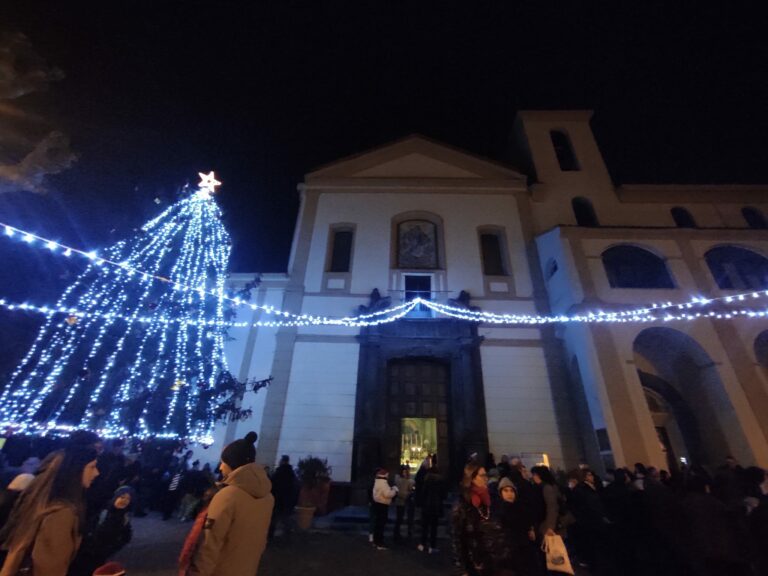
{"x": 418, "y": 441}
{"x": 417, "y": 419}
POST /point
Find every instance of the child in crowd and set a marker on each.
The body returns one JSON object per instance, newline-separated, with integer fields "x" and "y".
{"x": 110, "y": 534}
{"x": 517, "y": 525}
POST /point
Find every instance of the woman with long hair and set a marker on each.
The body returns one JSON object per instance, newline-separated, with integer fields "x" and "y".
{"x": 44, "y": 530}
{"x": 479, "y": 542}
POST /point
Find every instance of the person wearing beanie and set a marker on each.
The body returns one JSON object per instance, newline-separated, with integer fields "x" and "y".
{"x": 383, "y": 494}
{"x": 235, "y": 528}
{"x": 517, "y": 526}
{"x": 107, "y": 535}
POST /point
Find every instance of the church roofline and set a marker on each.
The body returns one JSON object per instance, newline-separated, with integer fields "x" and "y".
{"x": 419, "y": 143}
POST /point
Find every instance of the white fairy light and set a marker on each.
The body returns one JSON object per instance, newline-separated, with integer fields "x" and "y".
{"x": 117, "y": 325}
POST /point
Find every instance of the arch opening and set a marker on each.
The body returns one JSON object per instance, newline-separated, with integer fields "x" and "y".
{"x": 736, "y": 268}
{"x": 629, "y": 266}
{"x": 692, "y": 413}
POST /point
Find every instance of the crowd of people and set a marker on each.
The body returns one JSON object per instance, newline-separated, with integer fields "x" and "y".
{"x": 637, "y": 522}
{"x": 70, "y": 513}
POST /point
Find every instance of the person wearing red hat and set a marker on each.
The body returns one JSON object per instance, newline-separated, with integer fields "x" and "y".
{"x": 235, "y": 528}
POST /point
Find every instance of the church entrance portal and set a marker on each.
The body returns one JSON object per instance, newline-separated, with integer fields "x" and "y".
{"x": 417, "y": 421}
{"x": 419, "y": 391}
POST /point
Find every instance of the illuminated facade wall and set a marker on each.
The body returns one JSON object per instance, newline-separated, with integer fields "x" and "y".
{"x": 575, "y": 393}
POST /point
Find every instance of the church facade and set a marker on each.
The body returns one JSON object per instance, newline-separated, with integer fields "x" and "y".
{"x": 554, "y": 236}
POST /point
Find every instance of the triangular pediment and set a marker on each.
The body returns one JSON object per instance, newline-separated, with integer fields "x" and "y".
{"x": 415, "y": 157}
{"x": 415, "y": 165}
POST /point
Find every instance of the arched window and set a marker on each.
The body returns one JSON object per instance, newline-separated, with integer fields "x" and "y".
{"x": 754, "y": 218}
{"x": 735, "y": 268}
{"x": 632, "y": 267}
{"x": 584, "y": 212}
{"x": 682, "y": 218}
{"x": 564, "y": 151}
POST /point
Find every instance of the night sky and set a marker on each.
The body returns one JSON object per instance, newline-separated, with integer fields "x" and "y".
{"x": 265, "y": 92}
{"x": 150, "y": 93}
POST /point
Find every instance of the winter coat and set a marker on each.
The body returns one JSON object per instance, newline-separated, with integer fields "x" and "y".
{"x": 235, "y": 530}
{"x": 405, "y": 487}
{"x": 433, "y": 495}
{"x": 588, "y": 507}
{"x": 516, "y": 522}
{"x": 548, "y": 508}
{"x": 713, "y": 532}
{"x": 285, "y": 487}
{"x": 479, "y": 542}
{"x": 54, "y": 546}
{"x": 383, "y": 492}
{"x": 419, "y": 485}
{"x": 111, "y": 533}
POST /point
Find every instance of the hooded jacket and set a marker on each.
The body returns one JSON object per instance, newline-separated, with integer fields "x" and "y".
{"x": 235, "y": 530}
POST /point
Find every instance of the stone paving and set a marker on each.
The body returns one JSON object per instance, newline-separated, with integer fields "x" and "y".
{"x": 156, "y": 545}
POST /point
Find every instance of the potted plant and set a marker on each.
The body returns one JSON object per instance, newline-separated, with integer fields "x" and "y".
{"x": 315, "y": 479}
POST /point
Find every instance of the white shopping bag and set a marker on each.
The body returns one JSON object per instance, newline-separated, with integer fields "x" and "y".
{"x": 557, "y": 555}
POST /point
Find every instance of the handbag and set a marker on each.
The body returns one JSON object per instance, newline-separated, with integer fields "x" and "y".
{"x": 557, "y": 555}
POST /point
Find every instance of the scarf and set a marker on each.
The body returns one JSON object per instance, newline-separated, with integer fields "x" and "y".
{"x": 480, "y": 496}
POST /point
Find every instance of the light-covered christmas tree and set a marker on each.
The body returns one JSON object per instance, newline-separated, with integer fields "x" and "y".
{"x": 144, "y": 354}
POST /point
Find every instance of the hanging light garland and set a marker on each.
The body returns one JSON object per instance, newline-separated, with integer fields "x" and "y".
{"x": 133, "y": 270}
{"x": 73, "y": 316}
{"x": 647, "y": 313}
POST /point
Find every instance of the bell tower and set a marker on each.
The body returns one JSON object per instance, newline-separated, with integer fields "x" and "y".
{"x": 558, "y": 148}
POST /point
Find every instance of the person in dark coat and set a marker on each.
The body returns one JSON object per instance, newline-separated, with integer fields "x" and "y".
{"x": 285, "y": 489}
{"x": 524, "y": 489}
{"x": 433, "y": 497}
{"x": 480, "y": 546}
{"x": 714, "y": 540}
{"x": 591, "y": 521}
{"x": 113, "y": 472}
{"x": 547, "y": 497}
{"x": 756, "y": 488}
{"x": 109, "y": 534}
{"x": 517, "y": 525}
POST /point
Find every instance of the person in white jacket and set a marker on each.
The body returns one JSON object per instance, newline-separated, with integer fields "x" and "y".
{"x": 383, "y": 494}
